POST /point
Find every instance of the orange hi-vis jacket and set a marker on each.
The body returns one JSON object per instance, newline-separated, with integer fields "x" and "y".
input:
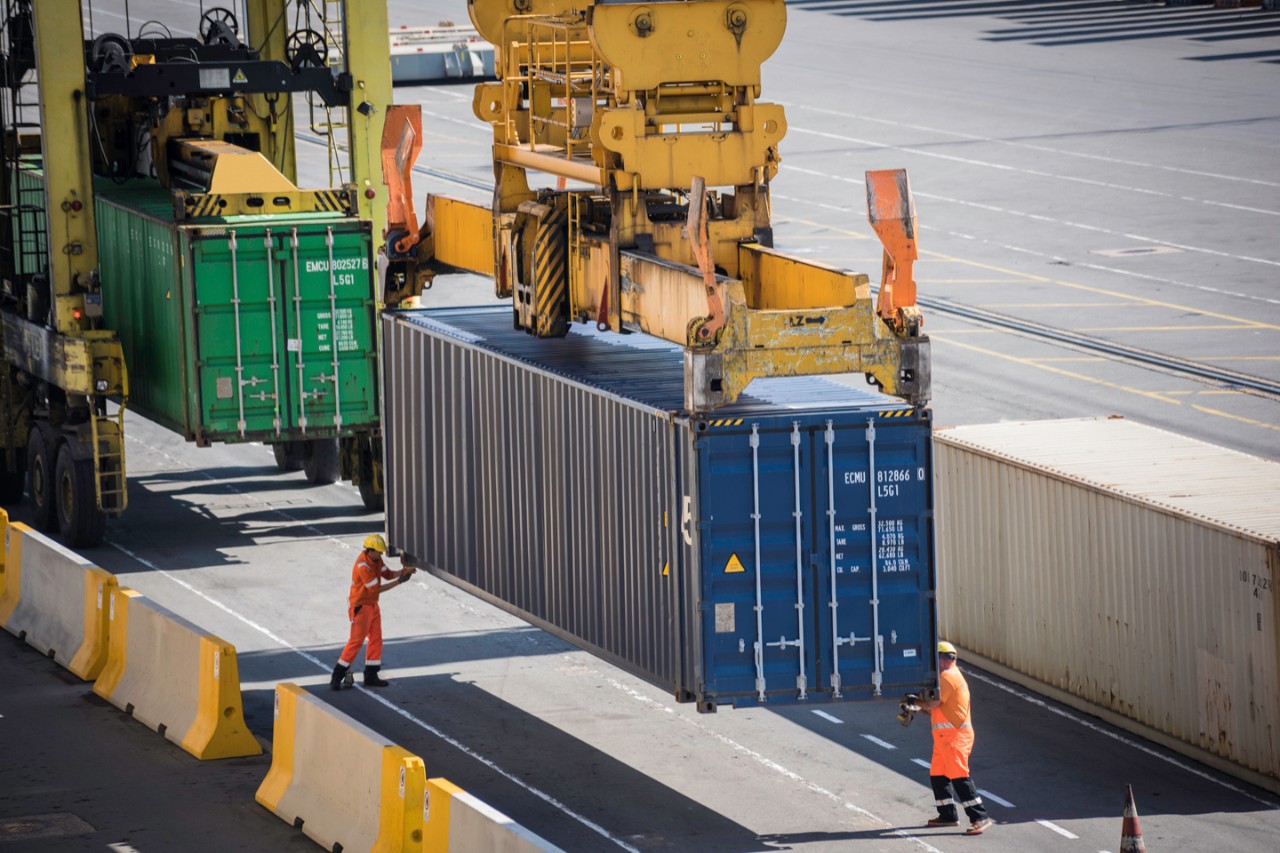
{"x": 952, "y": 728}
{"x": 366, "y": 578}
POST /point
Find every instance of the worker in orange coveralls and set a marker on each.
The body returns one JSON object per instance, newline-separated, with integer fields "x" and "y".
{"x": 366, "y": 618}
{"x": 952, "y": 743}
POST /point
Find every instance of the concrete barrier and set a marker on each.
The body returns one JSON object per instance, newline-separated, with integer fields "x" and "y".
{"x": 339, "y": 781}
{"x": 174, "y": 678}
{"x": 55, "y": 600}
{"x": 458, "y": 822}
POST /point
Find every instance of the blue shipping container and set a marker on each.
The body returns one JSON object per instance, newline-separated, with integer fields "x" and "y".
{"x": 773, "y": 551}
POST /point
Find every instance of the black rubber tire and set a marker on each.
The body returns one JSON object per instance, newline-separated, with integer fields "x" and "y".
{"x": 373, "y": 498}
{"x": 286, "y": 457}
{"x": 13, "y": 483}
{"x": 40, "y": 480}
{"x": 322, "y": 462}
{"x": 83, "y": 524}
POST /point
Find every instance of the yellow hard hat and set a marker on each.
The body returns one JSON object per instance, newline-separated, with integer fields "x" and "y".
{"x": 375, "y": 542}
{"x": 945, "y": 648}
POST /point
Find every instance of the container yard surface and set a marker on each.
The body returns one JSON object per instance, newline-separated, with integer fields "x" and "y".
{"x": 1109, "y": 167}
{"x": 1124, "y": 565}
{"x": 776, "y": 550}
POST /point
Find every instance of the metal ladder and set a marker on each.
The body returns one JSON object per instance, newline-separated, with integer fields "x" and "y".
{"x": 109, "y": 476}
{"x": 326, "y": 17}
{"x": 26, "y": 246}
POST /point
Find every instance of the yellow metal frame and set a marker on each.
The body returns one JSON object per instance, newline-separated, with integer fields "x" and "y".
{"x": 652, "y": 105}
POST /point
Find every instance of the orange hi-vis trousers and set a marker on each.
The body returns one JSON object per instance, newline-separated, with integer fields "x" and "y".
{"x": 366, "y": 622}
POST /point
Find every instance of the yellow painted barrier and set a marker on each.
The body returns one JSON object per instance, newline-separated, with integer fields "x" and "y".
{"x": 458, "y": 822}
{"x": 340, "y": 781}
{"x": 174, "y": 678}
{"x": 55, "y": 599}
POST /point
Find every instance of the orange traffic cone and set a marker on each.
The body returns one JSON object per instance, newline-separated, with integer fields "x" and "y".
{"x": 1131, "y": 833}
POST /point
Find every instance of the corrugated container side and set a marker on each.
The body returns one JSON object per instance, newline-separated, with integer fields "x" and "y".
{"x": 1162, "y": 618}
{"x": 579, "y": 482}
{"x": 547, "y": 477}
{"x": 138, "y": 264}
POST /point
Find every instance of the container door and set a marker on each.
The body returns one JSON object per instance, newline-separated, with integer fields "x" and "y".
{"x": 329, "y": 315}
{"x": 875, "y": 544}
{"x": 755, "y": 531}
{"x": 236, "y": 340}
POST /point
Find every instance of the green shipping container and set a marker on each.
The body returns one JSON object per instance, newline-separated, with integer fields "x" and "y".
{"x": 258, "y": 328}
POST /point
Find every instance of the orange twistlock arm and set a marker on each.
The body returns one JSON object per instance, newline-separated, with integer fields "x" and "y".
{"x": 892, "y": 212}
{"x": 401, "y": 142}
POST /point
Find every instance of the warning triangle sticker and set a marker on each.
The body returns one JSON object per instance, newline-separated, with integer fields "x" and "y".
{"x": 666, "y": 568}
{"x": 239, "y": 78}
{"x": 734, "y": 565}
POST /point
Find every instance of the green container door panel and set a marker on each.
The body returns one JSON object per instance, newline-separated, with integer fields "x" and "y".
{"x": 137, "y": 259}
{"x": 238, "y": 334}
{"x": 328, "y": 287}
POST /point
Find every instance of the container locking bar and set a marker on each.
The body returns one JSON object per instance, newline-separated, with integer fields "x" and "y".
{"x": 333, "y": 331}
{"x": 275, "y": 345}
{"x": 830, "y": 437}
{"x": 297, "y": 307}
{"x": 836, "y": 640}
{"x": 802, "y": 681}
{"x": 235, "y": 310}
{"x": 758, "y": 646}
{"x": 877, "y": 675}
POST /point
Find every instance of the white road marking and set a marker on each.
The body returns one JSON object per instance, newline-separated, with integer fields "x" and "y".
{"x": 1039, "y": 217}
{"x": 1051, "y": 825}
{"x": 1044, "y": 148}
{"x": 879, "y": 742}
{"x": 862, "y": 212}
{"x": 121, "y": 847}
{"x": 987, "y": 795}
{"x": 926, "y": 765}
{"x": 768, "y": 762}
{"x": 1066, "y": 715}
{"x": 542, "y": 795}
{"x": 824, "y": 715}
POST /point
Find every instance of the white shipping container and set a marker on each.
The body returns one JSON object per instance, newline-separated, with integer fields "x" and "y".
{"x": 1127, "y": 571}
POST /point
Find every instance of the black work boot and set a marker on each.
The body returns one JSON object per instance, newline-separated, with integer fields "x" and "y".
{"x": 339, "y": 673}
{"x": 371, "y": 678}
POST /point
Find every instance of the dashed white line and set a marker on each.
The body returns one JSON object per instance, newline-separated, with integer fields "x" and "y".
{"x": 824, "y": 715}
{"x": 547, "y": 798}
{"x": 1041, "y": 703}
{"x": 921, "y": 761}
{"x": 987, "y": 795}
{"x": 878, "y": 742}
{"x": 1043, "y": 148}
{"x": 1051, "y": 825}
{"x": 771, "y": 764}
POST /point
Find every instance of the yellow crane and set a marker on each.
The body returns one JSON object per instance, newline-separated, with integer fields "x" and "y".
{"x": 648, "y": 118}
{"x": 206, "y": 125}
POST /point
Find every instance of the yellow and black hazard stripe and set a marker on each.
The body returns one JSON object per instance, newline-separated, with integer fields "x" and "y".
{"x": 333, "y": 201}
{"x": 551, "y": 273}
{"x": 725, "y": 422}
{"x": 899, "y": 413}
{"x": 204, "y": 206}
